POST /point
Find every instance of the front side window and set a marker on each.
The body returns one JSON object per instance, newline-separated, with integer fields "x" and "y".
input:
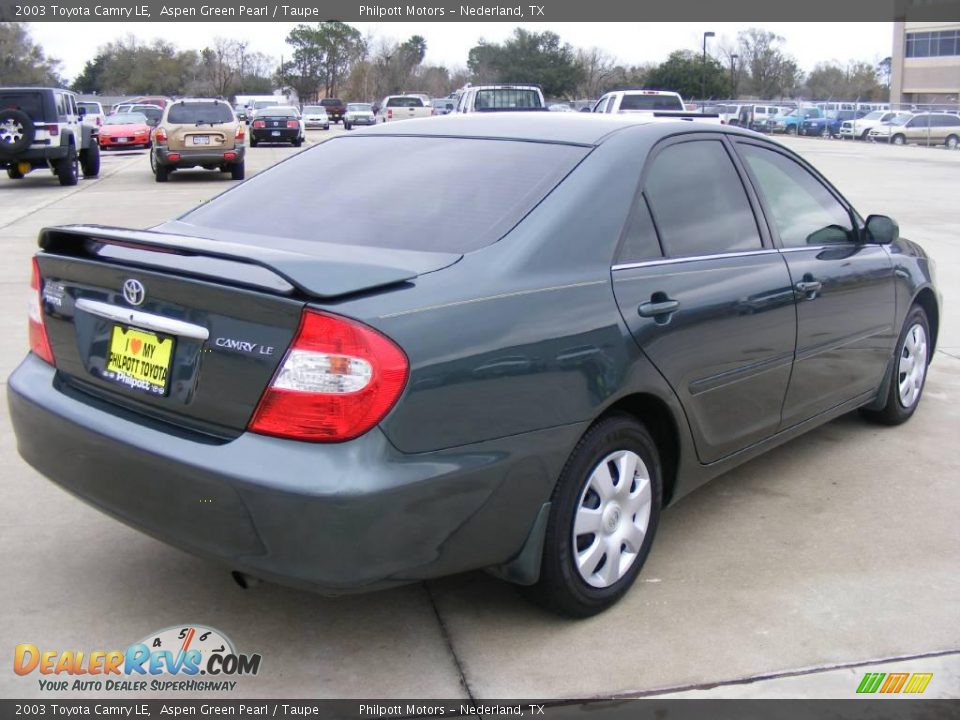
{"x": 698, "y": 201}
{"x": 804, "y": 212}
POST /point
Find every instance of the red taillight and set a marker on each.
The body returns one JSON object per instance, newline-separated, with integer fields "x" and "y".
{"x": 259, "y": 124}
{"x": 173, "y": 157}
{"x": 389, "y": 114}
{"x": 39, "y": 343}
{"x": 292, "y": 124}
{"x": 338, "y": 379}
{"x": 99, "y": 122}
{"x": 161, "y": 135}
{"x": 239, "y": 135}
{"x": 53, "y": 128}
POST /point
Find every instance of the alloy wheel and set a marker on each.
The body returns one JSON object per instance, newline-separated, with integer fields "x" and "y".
{"x": 611, "y": 519}
{"x": 912, "y": 368}
{"x": 10, "y": 131}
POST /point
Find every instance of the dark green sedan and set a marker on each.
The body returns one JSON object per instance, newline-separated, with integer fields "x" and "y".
{"x": 502, "y": 341}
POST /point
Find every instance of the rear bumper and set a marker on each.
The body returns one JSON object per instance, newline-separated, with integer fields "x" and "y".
{"x": 191, "y": 158}
{"x": 337, "y": 518}
{"x": 35, "y": 156}
{"x": 266, "y": 134}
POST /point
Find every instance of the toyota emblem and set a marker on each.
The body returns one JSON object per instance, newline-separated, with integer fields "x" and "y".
{"x": 133, "y": 291}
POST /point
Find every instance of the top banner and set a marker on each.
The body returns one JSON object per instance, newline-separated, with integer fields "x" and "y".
{"x": 472, "y": 10}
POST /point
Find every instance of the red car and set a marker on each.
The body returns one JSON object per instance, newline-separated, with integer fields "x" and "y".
{"x": 125, "y": 130}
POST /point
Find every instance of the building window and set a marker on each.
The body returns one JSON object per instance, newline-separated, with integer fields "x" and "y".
{"x": 933, "y": 44}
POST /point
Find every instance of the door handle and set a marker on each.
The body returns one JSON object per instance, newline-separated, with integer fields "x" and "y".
{"x": 809, "y": 286}
{"x": 658, "y": 308}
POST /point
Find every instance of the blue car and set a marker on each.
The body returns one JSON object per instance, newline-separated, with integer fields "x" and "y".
{"x": 829, "y": 126}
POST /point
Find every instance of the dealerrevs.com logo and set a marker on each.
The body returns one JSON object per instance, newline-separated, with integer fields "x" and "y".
{"x": 186, "y": 658}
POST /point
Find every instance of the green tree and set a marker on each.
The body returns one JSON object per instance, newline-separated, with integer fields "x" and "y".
{"x": 322, "y": 57}
{"x": 684, "y": 72}
{"x": 23, "y": 62}
{"x": 528, "y": 57}
{"x": 770, "y": 71}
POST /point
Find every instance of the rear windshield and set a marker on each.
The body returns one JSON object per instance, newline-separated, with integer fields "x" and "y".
{"x": 311, "y": 109}
{"x": 277, "y": 111}
{"x": 404, "y": 102}
{"x": 90, "y": 107}
{"x": 206, "y": 112}
{"x": 30, "y": 103}
{"x": 651, "y": 102}
{"x": 428, "y": 193}
{"x": 331, "y": 101}
{"x": 507, "y": 98}
{"x": 360, "y": 107}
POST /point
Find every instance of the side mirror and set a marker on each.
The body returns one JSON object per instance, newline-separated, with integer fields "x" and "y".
{"x": 882, "y": 230}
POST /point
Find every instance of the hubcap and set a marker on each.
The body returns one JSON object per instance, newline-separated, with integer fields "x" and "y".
{"x": 611, "y": 518}
{"x": 913, "y": 365}
{"x": 10, "y": 131}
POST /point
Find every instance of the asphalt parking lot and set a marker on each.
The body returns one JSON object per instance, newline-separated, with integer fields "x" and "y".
{"x": 839, "y": 548}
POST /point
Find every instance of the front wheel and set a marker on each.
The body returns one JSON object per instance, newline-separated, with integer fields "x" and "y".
{"x": 899, "y": 140}
{"x": 603, "y": 517}
{"x": 952, "y": 142}
{"x": 909, "y": 371}
{"x": 792, "y": 130}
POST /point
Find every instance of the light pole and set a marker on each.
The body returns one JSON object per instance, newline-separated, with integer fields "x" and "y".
{"x": 703, "y": 79}
{"x": 733, "y": 83}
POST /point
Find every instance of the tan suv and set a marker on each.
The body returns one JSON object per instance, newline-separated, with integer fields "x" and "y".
{"x": 927, "y": 128}
{"x": 198, "y": 132}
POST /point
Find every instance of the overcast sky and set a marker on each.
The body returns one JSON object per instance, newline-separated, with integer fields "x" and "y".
{"x": 449, "y": 42}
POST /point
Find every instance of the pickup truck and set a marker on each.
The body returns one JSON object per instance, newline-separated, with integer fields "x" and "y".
{"x": 499, "y": 98}
{"x": 661, "y": 104}
{"x": 335, "y": 108}
{"x": 791, "y": 122}
{"x": 403, "y": 107}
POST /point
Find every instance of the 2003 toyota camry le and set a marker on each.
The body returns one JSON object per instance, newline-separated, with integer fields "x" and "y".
{"x": 513, "y": 358}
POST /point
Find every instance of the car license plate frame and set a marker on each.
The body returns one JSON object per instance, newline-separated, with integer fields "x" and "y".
{"x": 139, "y": 360}
{"x": 201, "y": 139}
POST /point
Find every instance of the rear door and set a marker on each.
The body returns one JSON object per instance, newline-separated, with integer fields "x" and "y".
{"x": 844, "y": 288}
{"x": 706, "y": 296}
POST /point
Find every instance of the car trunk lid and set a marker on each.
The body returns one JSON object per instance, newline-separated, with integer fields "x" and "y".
{"x": 190, "y": 330}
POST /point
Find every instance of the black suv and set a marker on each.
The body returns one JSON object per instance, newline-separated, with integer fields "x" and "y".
{"x": 42, "y": 127}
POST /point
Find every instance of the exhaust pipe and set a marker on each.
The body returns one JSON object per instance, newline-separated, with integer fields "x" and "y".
{"x": 243, "y": 580}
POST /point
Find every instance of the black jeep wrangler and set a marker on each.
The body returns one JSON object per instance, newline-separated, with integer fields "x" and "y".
{"x": 43, "y": 128}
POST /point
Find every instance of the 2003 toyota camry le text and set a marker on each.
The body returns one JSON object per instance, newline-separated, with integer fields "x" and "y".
{"x": 551, "y": 329}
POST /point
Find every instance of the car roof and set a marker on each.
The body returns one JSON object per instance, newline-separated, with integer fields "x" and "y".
{"x": 7, "y": 88}
{"x": 568, "y": 128}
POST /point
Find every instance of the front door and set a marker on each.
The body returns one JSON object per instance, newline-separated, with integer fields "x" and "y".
{"x": 844, "y": 287}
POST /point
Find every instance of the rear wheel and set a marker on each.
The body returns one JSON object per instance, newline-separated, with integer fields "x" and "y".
{"x": 909, "y": 372}
{"x": 14, "y": 174}
{"x": 237, "y": 171}
{"x": 160, "y": 172}
{"x": 67, "y": 169}
{"x": 298, "y": 142}
{"x": 603, "y": 518}
{"x": 253, "y": 141}
{"x": 90, "y": 161}
{"x": 792, "y": 130}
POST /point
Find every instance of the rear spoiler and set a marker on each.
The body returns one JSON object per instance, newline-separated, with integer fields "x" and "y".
{"x": 327, "y": 271}
{"x": 684, "y": 115}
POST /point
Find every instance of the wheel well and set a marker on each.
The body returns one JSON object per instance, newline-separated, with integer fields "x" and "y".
{"x": 659, "y": 422}
{"x": 928, "y": 301}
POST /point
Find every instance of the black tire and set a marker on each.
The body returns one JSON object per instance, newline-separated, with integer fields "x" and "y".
{"x": 14, "y": 174}
{"x": 561, "y": 588}
{"x": 792, "y": 130}
{"x": 253, "y": 141}
{"x": 865, "y": 135}
{"x": 898, "y": 140}
{"x": 952, "y": 141}
{"x": 894, "y": 411}
{"x": 298, "y": 142}
{"x": 237, "y": 171}
{"x": 346, "y": 125}
{"x": 161, "y": 173}
{"x": 68, "y": 169}
{"x": 17, "y": 131}
{"x": 90, "y": 161}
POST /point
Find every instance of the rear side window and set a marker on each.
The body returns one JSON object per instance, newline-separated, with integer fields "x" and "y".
{"x": 640, "y": 239}
{"x": 426, "y": 193}
{"x": 698, "y": 201}
{"x": 404, "y": 102}
{"x": 207, "y": 112}
{"x": 507, "y": 99}
{"x": 651, "y": 102}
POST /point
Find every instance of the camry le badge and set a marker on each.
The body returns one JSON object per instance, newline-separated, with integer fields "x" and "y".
{"x": 133, "y": 291}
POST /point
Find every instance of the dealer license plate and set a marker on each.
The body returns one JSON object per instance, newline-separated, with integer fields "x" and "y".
{"x": 139, "y": 360}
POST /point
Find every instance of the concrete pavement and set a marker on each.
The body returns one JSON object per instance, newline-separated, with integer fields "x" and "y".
{"x": 838, "y": 548}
